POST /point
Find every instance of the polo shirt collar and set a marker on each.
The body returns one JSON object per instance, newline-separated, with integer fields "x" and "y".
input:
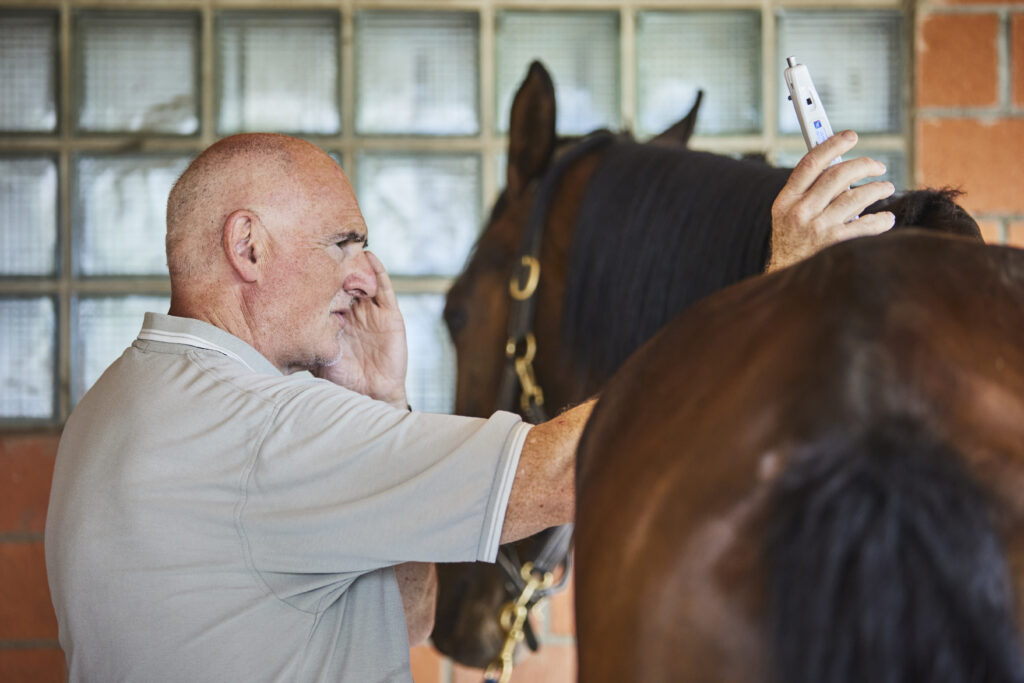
{"x": 171, "y": 329}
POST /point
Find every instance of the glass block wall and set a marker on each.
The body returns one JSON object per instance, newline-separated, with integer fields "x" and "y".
{"x": 102, "y": 105}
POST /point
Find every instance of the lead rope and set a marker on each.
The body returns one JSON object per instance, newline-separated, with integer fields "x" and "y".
{"x": 513, "y": 620}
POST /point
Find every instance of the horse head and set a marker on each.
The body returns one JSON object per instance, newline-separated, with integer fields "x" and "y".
{"x": 476, "y": 310}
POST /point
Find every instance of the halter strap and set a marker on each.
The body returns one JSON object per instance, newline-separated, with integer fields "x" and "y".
{"x": 521, "y": 310}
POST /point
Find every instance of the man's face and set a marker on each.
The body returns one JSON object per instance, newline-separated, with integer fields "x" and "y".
{"x": 316, "y": 269}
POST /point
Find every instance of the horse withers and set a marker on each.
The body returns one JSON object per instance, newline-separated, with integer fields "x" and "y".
{"x": 815, "y": 475}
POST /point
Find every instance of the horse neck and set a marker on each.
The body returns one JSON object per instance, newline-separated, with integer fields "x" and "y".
{"x": 560, "y": 385}
{"x": 658, "y": 228}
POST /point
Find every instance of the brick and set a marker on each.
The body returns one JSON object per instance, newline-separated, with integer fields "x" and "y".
{"x": 991, "y": 231}
{"x": 551, "y": 664}
{"x": 26, "y": 469}
{"x": 464, "y": 674}
{"x": 26, "y": 612}
{"x": 1015, "y": 234}
{"x": 426, "y": 664}
{"x": 980, "y": 158}
{"x": 32, "y": 666}
{"x": 563, "y": 612}
{"x": 958, "y": 60}
{"x": 1017, "y": 58}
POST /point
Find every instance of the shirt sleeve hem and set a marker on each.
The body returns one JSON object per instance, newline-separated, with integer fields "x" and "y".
{"x": 491, "y": 539}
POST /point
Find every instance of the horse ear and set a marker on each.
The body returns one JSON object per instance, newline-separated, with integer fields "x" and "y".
{"x": 679, "y": 133}
{"x": 531, "y": 135}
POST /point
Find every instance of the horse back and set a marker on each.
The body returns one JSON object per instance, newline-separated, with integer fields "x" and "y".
{"x": 678, "y": 469}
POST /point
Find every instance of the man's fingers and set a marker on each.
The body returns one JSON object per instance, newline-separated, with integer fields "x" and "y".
{"x": 385, "y": 290}
{"x": 852, "y": 202}
{"x": 871, "y": 224}
{"x": 814, "y": 163}
{"x": 850, "y": 172}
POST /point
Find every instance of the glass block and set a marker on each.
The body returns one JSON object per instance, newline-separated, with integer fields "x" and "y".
{"x": 417, "y": 73}
{"x": 581, "y": 52}
{"x": 430, "y": 381}
{"x": 28, "y": 343}
{"x": 679, "y": 53}
{"x": 895, "y": 163}
{"x": 103, "y": 327}
{"x": 422, "y": 210}
{"x": 863, "y": 90}
{"x": 279, "y": 72}
{"x": 28, "y": 216}
{"x": 137, "y": 71}
{"x": 119, "y": 214}
{"x": 28, "y": 71}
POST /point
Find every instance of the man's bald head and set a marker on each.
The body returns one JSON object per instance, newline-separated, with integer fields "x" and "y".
{"x": 255, "y": 171}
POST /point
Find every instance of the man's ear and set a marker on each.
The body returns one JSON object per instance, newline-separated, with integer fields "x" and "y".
{"x": 239, "y": 244}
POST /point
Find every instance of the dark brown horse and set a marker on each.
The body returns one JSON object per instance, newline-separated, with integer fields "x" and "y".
{"x": 815, "y": 475}
{"x": 627, "y": 235}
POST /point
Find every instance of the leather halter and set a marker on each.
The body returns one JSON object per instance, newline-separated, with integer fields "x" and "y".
{"x": 520, "y": 350}
{"x": 522, "y": 345}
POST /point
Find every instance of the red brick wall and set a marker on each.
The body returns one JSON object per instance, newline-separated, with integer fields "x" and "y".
{"x": 28, "y": 629}
{"x": 969, "y": 133}
{"x": 969, "y": 130}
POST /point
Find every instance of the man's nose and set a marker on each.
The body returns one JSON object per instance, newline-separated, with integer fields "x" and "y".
{"x": 361, "y": 282}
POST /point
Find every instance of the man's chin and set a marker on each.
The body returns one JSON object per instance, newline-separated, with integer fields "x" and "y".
{"x": 315, "y": 364}
{"x": 333, "y": 361}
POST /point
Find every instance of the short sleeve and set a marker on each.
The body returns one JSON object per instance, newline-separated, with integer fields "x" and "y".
{"x": 342, "y": 483}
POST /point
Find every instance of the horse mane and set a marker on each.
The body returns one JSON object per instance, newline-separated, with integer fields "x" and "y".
{"x": 884, "y": 566}
{"x": 658, "y": 229}
{"x": 934, "y": 209}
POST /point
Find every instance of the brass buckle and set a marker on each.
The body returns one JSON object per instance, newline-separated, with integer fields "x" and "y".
{"x": 532, "y": 393}
{"x": 532, "y": 278}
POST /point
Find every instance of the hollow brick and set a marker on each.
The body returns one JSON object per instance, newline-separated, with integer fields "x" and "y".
{"x": 991, "y": 231}
{"x": 32, "y": 666}
{"x": 1015, "y": 234}
{"x": 981, "y": 158}
{"x": 26, "y": 469}
{"x": 426, "y": 664}
{"x": 26, "y": 612}
{"x": 958, "y": 60}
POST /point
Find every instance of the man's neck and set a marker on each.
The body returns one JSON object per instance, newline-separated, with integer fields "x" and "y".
{"x": 219, "y": 316}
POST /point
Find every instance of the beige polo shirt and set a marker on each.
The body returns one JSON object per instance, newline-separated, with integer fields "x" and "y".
{"x": 214, "y": 520}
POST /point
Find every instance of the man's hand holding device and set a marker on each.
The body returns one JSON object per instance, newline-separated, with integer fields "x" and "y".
{"x": 819, "y": 205}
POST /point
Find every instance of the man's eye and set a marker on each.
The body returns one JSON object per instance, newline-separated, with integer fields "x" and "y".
{"x": 351, "y": 239}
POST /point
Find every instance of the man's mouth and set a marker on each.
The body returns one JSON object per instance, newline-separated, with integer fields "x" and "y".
{"x": 341, "y": 314}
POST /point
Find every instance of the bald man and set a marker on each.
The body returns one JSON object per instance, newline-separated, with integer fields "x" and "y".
{"x": 216, "y": 516}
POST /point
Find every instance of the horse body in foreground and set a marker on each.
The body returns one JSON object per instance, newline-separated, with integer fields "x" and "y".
{"x": 627, "y": 236}
{"x": 815, "y": 475}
